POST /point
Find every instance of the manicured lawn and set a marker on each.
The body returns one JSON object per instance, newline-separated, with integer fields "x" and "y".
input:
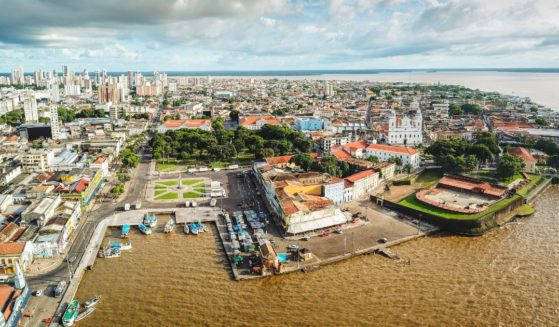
{"x": 533, "y": 180}
{"x": 168, "y": 196}
{"x": 191, "y": 195}
{"x": 217, "y": 164}
{"x": 165, "y": 166}
{"x": 169, "y": 183}
{"x": 491, "y": 177}
{"x": 159, "y": 191}
{"x": 200, "y": 189}
{"x": 429, "y": 177}
{"x": 191, "y": 181}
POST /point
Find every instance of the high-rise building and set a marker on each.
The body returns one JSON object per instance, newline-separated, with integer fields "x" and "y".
{"x": 72, "y": 90}
{"x": 17, "y": 76}
{"x": 54, "y": 123}
{"x": 30, "y": 108}
{"x": 64, "y": 71}
{"x": 54, "y": 92}
{"x": 108, "y": 93}
{"x": 113, "y": 113}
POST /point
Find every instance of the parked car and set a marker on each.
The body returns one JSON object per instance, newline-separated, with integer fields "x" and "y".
{"x": 324, "y": 234}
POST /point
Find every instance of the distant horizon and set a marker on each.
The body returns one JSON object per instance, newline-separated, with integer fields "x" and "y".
{"x": 310, "y": 72}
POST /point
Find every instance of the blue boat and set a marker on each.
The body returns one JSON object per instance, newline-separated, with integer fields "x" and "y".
{"x": 125, "y": 231}
{"x": 150, "y": 220}
{"x": 144, "y": 229}
{"x": 194, "y": 228}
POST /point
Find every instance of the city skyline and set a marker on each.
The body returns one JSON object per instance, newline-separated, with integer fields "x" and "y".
{"x": 278, "y": 35}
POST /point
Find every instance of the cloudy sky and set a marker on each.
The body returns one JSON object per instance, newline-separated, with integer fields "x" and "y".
{"x": 277, "y": 34}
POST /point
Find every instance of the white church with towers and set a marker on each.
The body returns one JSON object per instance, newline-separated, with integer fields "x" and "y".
{"x": 404, "y": 129}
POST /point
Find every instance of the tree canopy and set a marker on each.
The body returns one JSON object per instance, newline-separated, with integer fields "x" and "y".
{"x": 224, "y": 145}
{"x": 509, "y": 165}
{"x": 457, "y": 155}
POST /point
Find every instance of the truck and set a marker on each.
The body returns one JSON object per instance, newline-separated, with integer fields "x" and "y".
{"x": 187, "y": 204}
{"x": 126, "y": 206}
{"x": 213, "y": 202}
{"x": 138, "y": 205}
{"x": 193, "y": 204}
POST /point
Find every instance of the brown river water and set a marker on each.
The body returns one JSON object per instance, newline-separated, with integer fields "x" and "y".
{"x": 509, "y": 277}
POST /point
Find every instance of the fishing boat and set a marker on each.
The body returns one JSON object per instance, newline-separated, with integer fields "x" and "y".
{"x": 125, "y": 231}
{"x": 150, "y": 220}
{"x": 169, "y": 226}
{"x": 121, "y": 246}
{"x": 186, "y": 229}
{"x": 109, "y": 252}
{"x": 85, "y": 313}
{"x": 205, "y": 227}
{"x": 200, "y": 227}
{"x": 91, "y": 302}
{"x": 145, "y": 229}
{"x": 194, "y": 228}
{"x": 71, "y": 313}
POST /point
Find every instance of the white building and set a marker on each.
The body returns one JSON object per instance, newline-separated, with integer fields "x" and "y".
{"x": 386, "y": 152}
{"x": 54, "y": 123}
{"x": 37, "y": 160}
{"x": 30, "y": 108}
{"x": 54, "y": 92}
{"x": 72, "y": 90}
{"x": 113, "y": 113}
{"x": 363, "y": 182}
{"x": 203, "y": 124}
{"x": 404, "y": 129}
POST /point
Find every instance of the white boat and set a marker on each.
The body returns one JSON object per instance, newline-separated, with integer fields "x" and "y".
{"x": 126, "y": 246}
{"x": 92, "y": 302}
{"x": 169, "y": 226}
{"x": 85, "y": 313}
{"x": 186, "y": 229}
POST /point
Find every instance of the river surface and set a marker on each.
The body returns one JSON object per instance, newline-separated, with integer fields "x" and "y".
{"x": 509, "y": 277}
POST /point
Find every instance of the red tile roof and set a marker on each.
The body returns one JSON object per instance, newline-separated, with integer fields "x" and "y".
{"x": 360, "y": 175}
{"x": 82, "y": 185}
{"x": 341, "y": 154}
{"x": 278, "y": 160}
{"x": 473, "y": 186}
{"x": 189, "y": 123}
{"x": 251, "y": 120}
{"x": 100, "y": 160}
{"x": 391, "y": 148}
{"x": 11, "y": 248}
{"x": 522, "y": 153}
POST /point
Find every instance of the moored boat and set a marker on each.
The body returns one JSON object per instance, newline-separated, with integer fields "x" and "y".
{"x": 144, "y": 229}
{"x": 150, "y": 220}
{"x": 186, "y": 229}
{"x": 85, "y": 313}
{"x": 169, "y": 226}
{"x": 194, "y": 228}
{"x": 71, "y": 313}
{"x": 125, "y": 231}
{"x": 121, "y": 246}
{"x": 109, "y": 252}
{"x": 91, "y": 302}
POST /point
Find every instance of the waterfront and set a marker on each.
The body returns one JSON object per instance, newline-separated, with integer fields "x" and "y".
{"x": 507, "y": 277}
{"x": 540, "y": 87}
